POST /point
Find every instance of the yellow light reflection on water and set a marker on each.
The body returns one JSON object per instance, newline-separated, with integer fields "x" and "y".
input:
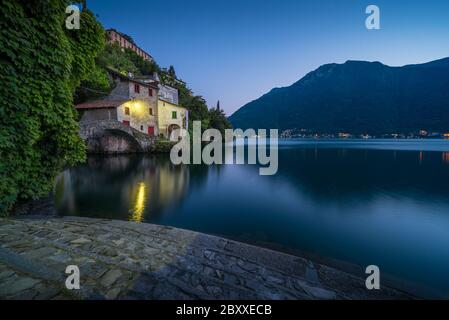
{"x": 139, "y": 204}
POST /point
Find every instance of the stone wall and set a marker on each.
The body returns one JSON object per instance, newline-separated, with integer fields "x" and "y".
{"x": 111, "y": 136}
{"x": 139, "y": 116}
{"x": 120, "y": 92}
{"x": 99, "y": 114}
{"x": 142, "y": 109}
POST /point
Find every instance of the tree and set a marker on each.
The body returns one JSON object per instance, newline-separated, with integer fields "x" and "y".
{"x": 42, "y": 64}
{"x": 197, "y": 107}
{"x": 144, "y": 67}
{"x": 113, "y": 57}
{"x": 218, "y": 120}
{"x": 97, "y": 85}
{"x": 172, "y": 72}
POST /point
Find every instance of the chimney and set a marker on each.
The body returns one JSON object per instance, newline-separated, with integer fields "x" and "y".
{"x": 156, "y": 76}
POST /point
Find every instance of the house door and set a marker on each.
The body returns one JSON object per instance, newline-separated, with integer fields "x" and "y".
{"x": 151, "y": 131}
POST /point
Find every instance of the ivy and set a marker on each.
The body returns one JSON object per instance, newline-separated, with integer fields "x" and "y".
{"x": 41, "y": 64}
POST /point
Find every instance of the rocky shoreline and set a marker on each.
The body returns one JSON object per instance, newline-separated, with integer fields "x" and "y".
{"x": 127, "y": 260}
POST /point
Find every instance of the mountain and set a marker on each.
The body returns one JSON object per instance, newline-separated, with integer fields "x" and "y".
{"x": 356, "y": 97}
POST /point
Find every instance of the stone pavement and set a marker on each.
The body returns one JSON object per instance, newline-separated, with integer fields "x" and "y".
{"x": 127, "y": 260}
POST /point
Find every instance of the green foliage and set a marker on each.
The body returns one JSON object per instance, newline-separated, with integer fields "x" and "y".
{"x": 197, "y": 108}
{"x": 218, "y": 120}
{"x": 172, "y": 72}
{"x": 195, "y": 104}
{"x": 42, "y": 64}
{"x": 97, "y": 85}
{"x": 144, "y": 67}
{"x": 113, "y": 57}
{"x": 125, "y": 61}
{"x": 163, "y": 146}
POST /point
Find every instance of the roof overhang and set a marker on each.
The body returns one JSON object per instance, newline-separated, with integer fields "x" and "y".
{"x": 100, "y": 104}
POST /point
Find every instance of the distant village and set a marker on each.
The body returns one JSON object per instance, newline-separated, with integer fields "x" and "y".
{"x": 307, "y": 134}
{"x": 140, "y": 102}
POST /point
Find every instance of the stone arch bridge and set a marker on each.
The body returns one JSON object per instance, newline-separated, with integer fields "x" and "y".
{"x": 111, "y": 136}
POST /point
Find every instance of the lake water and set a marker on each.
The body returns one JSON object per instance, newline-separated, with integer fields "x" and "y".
{"x": 382, "y": 202}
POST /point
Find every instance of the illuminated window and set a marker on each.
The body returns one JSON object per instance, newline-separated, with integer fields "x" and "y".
{"x": 127, "y": 111}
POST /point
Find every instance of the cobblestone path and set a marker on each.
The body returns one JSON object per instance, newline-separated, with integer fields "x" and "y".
{"x": 126, "y": 260}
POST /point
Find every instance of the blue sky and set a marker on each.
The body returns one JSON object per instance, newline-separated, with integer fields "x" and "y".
{"x": 237, "y": 50}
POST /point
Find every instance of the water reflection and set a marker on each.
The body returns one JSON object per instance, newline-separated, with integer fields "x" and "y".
{"x": 445, "y": 157}
{"x": 374, "y": 202}
{"x": 122, "y": 187}
{"x": 139, "y": 204}
{"x": 359, "y": 175}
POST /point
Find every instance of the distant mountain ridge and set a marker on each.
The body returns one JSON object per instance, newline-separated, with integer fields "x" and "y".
{"x": 356, "y": 97}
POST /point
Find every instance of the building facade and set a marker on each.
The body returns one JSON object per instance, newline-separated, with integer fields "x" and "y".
{"x": 114, "y": 36}
{"x": 170, "y": 115}
{"x": 131, "y": 102}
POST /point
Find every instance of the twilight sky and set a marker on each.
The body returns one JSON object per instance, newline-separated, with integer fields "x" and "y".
{"x": 237, "y": 50}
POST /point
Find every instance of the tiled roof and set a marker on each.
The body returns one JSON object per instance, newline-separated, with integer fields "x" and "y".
{"x": 100, "y": 104}
{"x": 153, "y": 84}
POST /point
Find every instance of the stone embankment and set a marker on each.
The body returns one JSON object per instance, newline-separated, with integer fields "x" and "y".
{"x": 112, "y": 137}
{"x": 126, "y": 260}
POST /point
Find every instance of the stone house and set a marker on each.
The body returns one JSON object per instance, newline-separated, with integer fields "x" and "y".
{"x": 132, "y": 102}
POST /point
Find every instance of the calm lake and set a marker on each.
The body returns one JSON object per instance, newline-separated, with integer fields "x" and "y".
{"x": 382, "y": 202}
